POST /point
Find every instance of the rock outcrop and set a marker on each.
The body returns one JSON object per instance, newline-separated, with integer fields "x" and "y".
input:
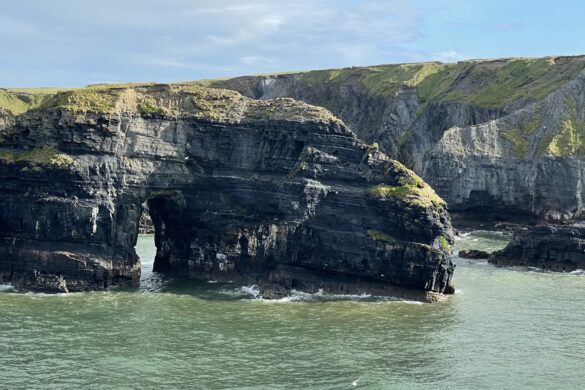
{"x": 549, "y": 247}
{"x": 277, "y": 193}
{"x": 473, "y": 254}
{"x": 503, "y": 138}
{"x": 145, "y": 225}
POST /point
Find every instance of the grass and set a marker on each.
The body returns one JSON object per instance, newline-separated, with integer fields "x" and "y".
{"x": 379, "y": 236}
{"x": 444, "y": 243}
{"x": 20, "y": 100}
{"x": 6, "y": 157}
{"x": 10, "y": 102}
{"x": 489, "y": 83}
{"x": 409, "y": 187}
{"x": 85, "y": 100}
{"x": 150, "y": 108}
{"x": 518, "y": 141}
{"x": 495, "y": 84}
{"x": 173, "y": 100}
{"x": 569, "y": 139}
{"x": 381, "y": 80}
{"x": 423, "y": 196}
{"x": 38, "y": 156}
{"x": 287, "y": 109}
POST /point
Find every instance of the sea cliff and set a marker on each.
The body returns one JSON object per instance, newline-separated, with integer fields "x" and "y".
{"x": 277, "y": 193}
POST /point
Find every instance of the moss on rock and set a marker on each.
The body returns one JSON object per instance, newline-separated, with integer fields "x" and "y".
{"x": 569, "y": 139}
{"x": 409, "y": 187}
{"x": 38, "y": 157}
{"x": 423, "y": 195}
{"x": 444, "y": 242}
{"x": 379, "y": 236}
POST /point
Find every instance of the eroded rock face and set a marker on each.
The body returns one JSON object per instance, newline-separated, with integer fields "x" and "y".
{"x": 496, "y": 138}
{"x": 277, "y": 193}
{"x": 549, "y": 247}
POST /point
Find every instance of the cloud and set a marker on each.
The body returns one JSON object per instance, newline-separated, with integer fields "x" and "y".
{"x": 183, "y": 39}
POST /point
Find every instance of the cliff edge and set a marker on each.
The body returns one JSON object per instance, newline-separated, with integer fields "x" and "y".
{"x": 273, "y": 192}
{"x": 502, "y": 137}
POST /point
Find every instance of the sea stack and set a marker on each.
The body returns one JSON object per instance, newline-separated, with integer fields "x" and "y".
{"x": 277, "y": 193}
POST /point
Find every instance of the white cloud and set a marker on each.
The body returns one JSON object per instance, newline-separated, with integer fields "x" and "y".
{"x": 147, "y": 39}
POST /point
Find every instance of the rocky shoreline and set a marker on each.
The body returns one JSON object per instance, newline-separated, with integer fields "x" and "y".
{"x": 498, "y": 148}
{"x": 237, "y": 183}
{"x": 559, "y": 248}
{"x": 276, "y": 192}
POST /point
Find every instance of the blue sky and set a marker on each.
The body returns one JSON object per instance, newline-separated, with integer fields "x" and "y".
{"x": 78, "y": 42}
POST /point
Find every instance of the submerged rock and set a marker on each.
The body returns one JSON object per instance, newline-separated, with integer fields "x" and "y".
{"x": 473, "y": 254}
{"x": 275, "y": 193}
{"x": 549, "y": 247}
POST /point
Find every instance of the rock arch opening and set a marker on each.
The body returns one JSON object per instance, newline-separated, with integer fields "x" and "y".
{"x": 274, "y": 193}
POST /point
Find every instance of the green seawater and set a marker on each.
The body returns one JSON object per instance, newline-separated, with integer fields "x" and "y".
{"x": 504, "y": 329}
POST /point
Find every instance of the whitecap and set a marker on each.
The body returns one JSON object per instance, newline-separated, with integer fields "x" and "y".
{"x": 250, "y": 290}
{"x": 6, "y": 287}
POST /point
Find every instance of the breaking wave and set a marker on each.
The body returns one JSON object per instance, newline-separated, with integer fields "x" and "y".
{"x": 319, "y": 296}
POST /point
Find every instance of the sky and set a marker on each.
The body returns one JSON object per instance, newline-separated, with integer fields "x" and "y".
{"x": 69, "y": 43}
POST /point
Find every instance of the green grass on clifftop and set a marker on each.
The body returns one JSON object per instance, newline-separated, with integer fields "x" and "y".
{"x": 39, "y": 157}
{"x": 181, "y": 100}
{"x": 484, "y": 83}
{"x": 20, "y": 100}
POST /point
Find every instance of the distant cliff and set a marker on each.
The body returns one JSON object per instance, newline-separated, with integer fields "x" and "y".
{"x": 496, "y": 136}
{"x": 277, "y": 193}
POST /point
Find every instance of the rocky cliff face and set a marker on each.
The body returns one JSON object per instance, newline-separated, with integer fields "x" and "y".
{"x": 552, "y": 248}
{"x": 276, "y": 192}
{"x": 500, "y": 137}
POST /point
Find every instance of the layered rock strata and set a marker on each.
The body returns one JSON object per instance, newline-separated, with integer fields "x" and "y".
{"x": 549, "y": 247}
{"x": 495, "y": 138}
{"x": 277, "y": 193}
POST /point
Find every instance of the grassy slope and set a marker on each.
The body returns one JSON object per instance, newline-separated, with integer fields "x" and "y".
{"x": 489, "y": 84}
{"x": 170, "y": 100}
{"x": 493, "y": 84}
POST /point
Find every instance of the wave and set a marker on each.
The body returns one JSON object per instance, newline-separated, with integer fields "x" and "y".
{"x": 300, "y": 296}
{"x": 249, "y": 290}
{"x": 6, "y": 287}
{"x": 319, "y": 296}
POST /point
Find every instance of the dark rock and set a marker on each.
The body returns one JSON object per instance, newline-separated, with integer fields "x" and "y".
{"x": 473, "y": 254}
{"x": 549, "y": 247}
{"x": 275, "y": 193}
{"x": 145, "y": 225}
{"x": 487, "y": 142}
